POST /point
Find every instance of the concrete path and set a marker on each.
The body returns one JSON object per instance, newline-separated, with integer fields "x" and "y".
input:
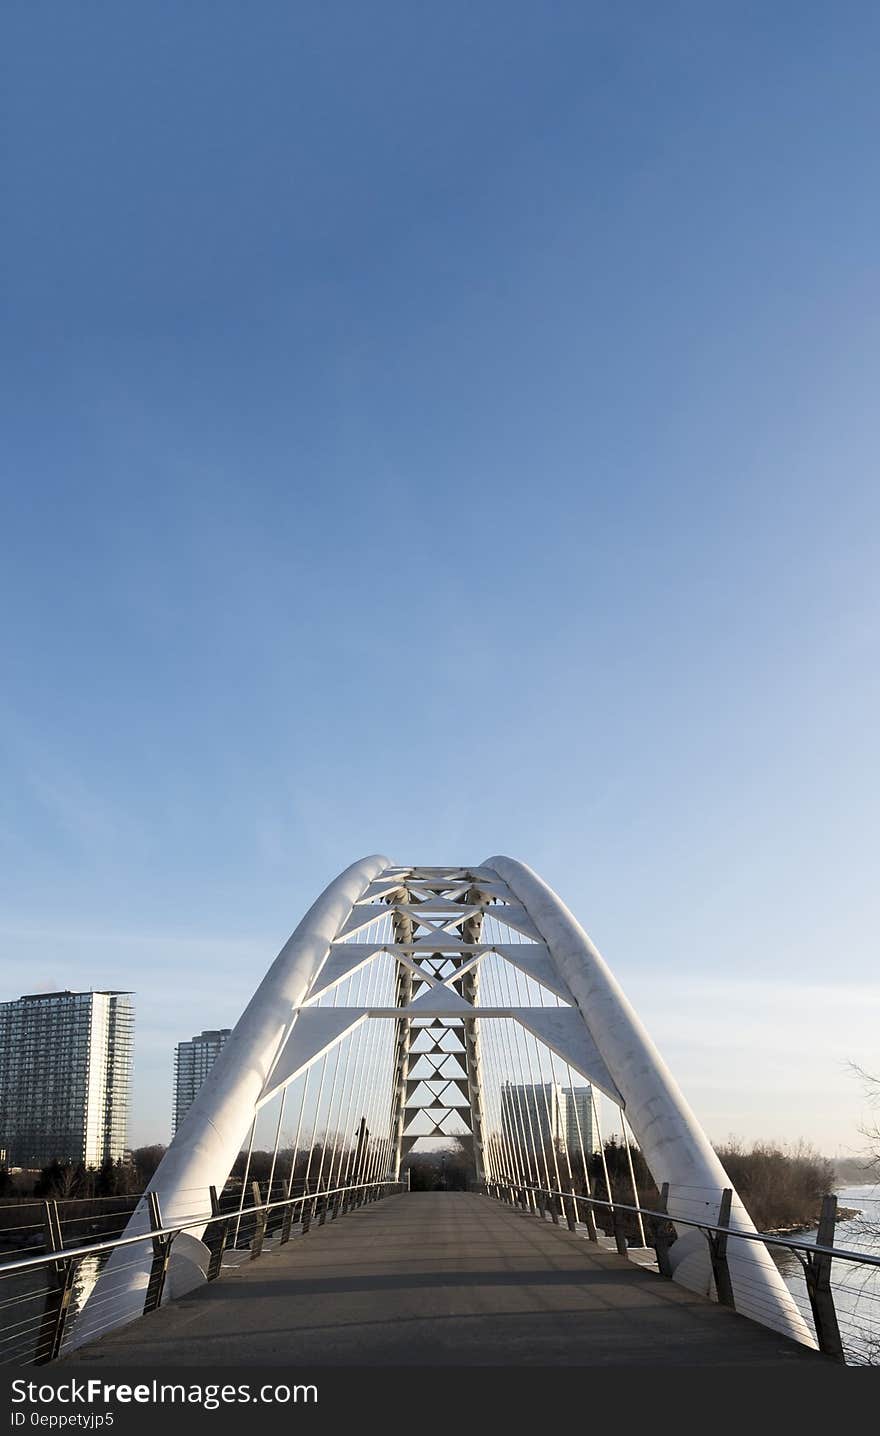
{"x": 445, "y": 1279}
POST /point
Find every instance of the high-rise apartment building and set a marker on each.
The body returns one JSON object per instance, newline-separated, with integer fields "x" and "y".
{"x": 534, "y": 1116}
{"x": 65, "y": 1076}
{"x": 580, "y": 1120}
{"x": 193, "y": 1061}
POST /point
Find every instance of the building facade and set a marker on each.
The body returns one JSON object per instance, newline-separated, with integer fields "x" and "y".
{"x": 536, "y": 1117}
{"x": 580, "y": 1120}
{"x": 65, "y": 1077}
{"x": 193, "y": 1061}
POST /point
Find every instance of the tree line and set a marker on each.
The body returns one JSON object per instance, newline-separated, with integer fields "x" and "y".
{"x": 780, "y": 1186}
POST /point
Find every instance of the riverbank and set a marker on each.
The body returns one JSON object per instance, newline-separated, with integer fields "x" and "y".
{"x": 844, "y": 1214}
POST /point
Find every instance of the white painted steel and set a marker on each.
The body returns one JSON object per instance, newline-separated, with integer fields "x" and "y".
{"x": 210, "y": 1137}
{"x": 599, "y": 1034}
{"x": 218, "y": 1121}
{"x": 674, "y": 1145}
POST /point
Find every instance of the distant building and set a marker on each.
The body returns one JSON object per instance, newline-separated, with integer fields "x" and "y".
{"x": 532, "y": 1115}
{"x": 580, "y": 1120}
{"x": 193, "y": 1061}
{"x": 65, "y": 1076}
{"x": 535, "y": 1116}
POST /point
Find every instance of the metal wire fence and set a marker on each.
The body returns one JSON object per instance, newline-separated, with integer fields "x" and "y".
{"x": 47, "y": 1283}
{"x": 836, "y": 1290}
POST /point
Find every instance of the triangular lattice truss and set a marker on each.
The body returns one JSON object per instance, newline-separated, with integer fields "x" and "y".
{"x": 441, "y": 926}
{"x": 440, "y": 1001}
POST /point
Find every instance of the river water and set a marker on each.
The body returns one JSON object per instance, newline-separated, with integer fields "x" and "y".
{"x": 856, "y": 1288}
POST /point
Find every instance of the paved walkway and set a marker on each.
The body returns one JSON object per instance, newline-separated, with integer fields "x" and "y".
{"x": 442, "y": 1279}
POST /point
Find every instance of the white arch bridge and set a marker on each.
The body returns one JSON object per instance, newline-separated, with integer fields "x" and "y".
{"x": 430, "y": 1003}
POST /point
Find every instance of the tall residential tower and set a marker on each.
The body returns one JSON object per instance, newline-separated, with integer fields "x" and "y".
{"x": 65, "y": 1074}
{"x": 538, "y": 1116}
{"x": 193, "y": 1061}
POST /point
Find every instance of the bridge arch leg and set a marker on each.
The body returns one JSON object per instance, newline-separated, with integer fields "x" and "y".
{"x": 435, "y": 923}
{"x": 211, "y": 1135}
{"x": 674, "y": 1144}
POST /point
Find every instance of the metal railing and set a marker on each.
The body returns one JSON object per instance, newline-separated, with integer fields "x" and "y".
{"x": 846, "y": 1340}
{"x": 38, "y": 1294}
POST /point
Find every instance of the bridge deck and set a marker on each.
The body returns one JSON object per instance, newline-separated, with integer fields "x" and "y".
{"x": 443, "y": 1279}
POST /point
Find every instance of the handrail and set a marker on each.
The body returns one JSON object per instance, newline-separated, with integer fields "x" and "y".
{"x": 789, "y": 1243}
{"x": 815, "y": 1258}
{"x": 64, "y": 1254}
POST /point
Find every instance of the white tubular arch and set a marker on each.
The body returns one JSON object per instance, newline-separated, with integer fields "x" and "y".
{"x": 270, "y": 1044}
{"x": 674, "y": 1145}
{"x": 217, "y": 1124}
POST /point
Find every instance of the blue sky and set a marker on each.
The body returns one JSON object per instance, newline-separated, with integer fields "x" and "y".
{"x": 445, "y": 430}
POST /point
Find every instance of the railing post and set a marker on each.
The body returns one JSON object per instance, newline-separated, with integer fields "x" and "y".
{"x": 660, "y": 1234}
{"x": 619, "y": 1234}
{"x": 817, "y": 1271}
{"x": 542, "y": 1208}
{"x": 306, "y": 1214}
{"x": 555, "y": 1204}
{"x": 286, "y": 1221}
{"x": 161, "y": 1256}
{"x": 571, "y": 1211}
{"x": 219, "y": 1235}
{"x": 718, "y": 1252}
{"x": 590, "y": 1219}
{"x": 60, "y": 1276}
{"x": 260, "y": 1218}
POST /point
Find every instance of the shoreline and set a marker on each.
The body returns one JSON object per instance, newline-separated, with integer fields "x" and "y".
{"x": 844, "y": 1214}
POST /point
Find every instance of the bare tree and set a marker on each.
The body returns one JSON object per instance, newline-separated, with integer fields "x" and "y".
{"x": 871, "y": 1130}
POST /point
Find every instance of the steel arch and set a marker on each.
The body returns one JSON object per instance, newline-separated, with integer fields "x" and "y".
{"x": 598, "y": 1033}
